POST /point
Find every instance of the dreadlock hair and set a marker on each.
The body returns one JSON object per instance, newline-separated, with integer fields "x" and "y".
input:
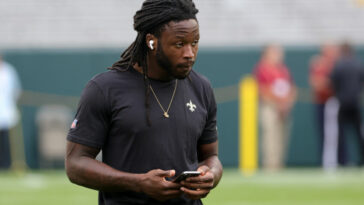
{"x": 152, "y": 18}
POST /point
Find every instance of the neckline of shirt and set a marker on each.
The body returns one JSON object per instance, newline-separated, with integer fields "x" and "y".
{"x": 153, "y": 81}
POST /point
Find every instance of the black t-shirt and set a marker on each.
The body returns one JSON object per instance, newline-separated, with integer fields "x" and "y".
{"x": 347, "y": 79}
{"x": 112, "y": 116}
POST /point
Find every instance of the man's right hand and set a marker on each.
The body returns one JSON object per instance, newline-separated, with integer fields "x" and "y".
{"x": 155, "y": 185}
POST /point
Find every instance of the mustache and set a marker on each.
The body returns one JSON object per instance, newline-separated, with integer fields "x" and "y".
{"x": 186, "y": 64}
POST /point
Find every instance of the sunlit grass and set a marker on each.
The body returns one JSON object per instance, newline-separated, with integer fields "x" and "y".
{"x": 293, "y": 186}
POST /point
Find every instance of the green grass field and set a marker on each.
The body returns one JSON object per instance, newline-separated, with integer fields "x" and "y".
{"x": 292, "y": 186}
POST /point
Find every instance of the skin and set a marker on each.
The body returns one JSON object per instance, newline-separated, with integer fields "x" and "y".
{"x": 174, "y": 52}
{"x": 172, "y": 57}
{"x": 211, "y": 172}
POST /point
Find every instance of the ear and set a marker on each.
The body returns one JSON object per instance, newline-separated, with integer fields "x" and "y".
{"x": 151, "y": 41}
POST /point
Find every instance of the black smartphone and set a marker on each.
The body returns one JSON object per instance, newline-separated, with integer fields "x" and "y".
{"x": 184, "y": 175}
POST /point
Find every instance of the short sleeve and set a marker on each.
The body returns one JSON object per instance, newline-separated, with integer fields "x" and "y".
{"x": 209, "y": 134}
{"x": 261, "y": 75}
{"x": 92, "y": 118}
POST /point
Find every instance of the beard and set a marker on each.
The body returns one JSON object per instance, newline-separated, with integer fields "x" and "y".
{"x": 165, "y": 63}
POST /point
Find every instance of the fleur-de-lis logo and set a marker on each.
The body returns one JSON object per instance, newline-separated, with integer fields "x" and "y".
{"x": 191, "y": 106}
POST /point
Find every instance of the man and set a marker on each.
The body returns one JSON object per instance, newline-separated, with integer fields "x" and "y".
{"x": 277, "y": 96}
{"x": 347, "y": 80}
{"x": 10, "y": 92}
{"x": 152, "y": 116}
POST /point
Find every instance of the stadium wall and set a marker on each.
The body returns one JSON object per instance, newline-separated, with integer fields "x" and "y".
{"x": 58, "y": 76}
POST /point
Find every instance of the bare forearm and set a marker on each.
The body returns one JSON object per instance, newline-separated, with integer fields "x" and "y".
{"x": 93, "y": 174}
{"x": 215, "y": 166}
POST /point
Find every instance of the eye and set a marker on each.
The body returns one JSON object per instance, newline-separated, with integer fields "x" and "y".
{"x": 179, "y": 44}
{"x": 195, "y": 43}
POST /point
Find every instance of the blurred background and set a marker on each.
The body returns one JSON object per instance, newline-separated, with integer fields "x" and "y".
{"x": 57, "y": 46}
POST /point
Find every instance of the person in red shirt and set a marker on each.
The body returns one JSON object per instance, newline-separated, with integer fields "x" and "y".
{"x": 320, "y": 68}
{"x": 277, "y": 96}
{"x": 326, "y": 106}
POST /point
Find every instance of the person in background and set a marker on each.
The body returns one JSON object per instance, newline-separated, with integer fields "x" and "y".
{"x": 10, "y": 90}
{"x": 347, "y": 79}
{"x": 277, "y": 95}
{"x": 321, "y": 67}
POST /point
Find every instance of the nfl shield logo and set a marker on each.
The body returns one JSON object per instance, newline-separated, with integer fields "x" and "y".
{"x": 74, "y": 123}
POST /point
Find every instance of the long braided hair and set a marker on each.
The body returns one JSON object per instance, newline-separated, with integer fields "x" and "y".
{"x": 152, "y": 18}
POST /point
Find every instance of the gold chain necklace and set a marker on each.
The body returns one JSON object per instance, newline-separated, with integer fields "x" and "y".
{"x": 165, "y": 112}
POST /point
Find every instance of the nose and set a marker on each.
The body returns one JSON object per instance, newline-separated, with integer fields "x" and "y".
{"x": 189, "y": 52}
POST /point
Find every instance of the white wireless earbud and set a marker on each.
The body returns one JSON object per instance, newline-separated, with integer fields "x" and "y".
{"x": 151, "y": 44}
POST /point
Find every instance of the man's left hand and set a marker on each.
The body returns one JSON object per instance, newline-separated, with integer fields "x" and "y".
{"x": 199, "y": 186}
